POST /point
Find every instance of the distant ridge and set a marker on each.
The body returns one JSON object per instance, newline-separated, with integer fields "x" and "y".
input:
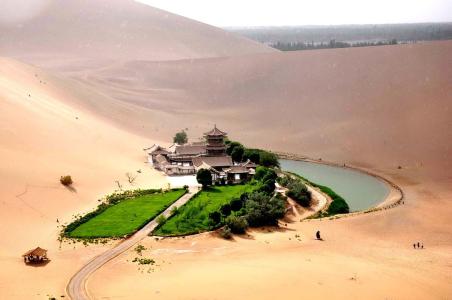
{"x": 117, "y": 29}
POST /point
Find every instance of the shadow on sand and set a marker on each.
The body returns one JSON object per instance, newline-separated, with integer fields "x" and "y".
{"x": 38, "y": 264}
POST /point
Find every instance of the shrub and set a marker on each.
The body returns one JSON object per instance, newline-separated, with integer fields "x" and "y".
{"x": 204, "y": 177}
{"x": 262, "y": 209}
{"x": 66, "y": 180}
{"x": 140, "y": 248}
{"x": 160, "y": 220}
{"x": 237, "y": 224}
{"x": 174, "y": 210}
{"x": 226, "y": 209}
{"x": 338, "y": 206}
{"x": 298, "y": 191}
{"x": 236, "y": 204}
{"x": 215, "y": 217}
{"x": 225, "y": 233}
{"x": 267, "y": 187}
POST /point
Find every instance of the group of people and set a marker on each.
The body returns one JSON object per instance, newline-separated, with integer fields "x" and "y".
{"x": 418, "y": 245}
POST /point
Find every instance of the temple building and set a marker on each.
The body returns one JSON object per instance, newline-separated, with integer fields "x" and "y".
{"x": 209, "y": 154}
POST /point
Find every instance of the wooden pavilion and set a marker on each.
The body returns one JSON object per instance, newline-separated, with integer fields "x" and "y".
{"x": 36, "y": 255}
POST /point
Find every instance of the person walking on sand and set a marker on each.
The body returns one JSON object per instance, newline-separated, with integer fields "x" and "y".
{"x": 317, "y": 235}
{"x": 418, "y": 245}
{"x": 414, "y": 245}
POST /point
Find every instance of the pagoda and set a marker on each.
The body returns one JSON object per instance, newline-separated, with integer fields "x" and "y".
{"x": 215, "y": 142}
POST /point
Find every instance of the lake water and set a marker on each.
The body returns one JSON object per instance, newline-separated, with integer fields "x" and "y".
{"x": 361, "y": 191}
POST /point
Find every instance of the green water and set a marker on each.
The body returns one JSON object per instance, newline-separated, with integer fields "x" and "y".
{"x": 361, "y": 191}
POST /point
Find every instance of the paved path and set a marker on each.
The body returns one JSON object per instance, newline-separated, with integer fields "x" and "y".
{"x": 76, "y": 288}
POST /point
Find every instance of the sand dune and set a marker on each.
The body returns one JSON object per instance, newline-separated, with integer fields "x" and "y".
{"x": 60, "y": 32}
{"x": 44, "y": 137}
{"x": 378, "y": 106}
{"x": 106, "y": 93}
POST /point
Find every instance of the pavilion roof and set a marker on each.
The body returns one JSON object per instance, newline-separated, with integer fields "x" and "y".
{"x": 237, "y": 170}
{"x": 190, "y": 149}
{"x": 36, "y": 252}
{"x": 213, "y": 161}
{"x": 215, "y": 132}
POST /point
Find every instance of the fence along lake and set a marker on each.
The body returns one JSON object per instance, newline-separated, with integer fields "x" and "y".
{"x": 360, "y": 191}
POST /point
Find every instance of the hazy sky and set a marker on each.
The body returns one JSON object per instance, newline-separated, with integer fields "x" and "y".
{"x": 313, "y": 12}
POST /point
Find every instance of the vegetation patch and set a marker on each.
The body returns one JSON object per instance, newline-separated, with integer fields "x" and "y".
{"x": 261, "y": 157}
{"x": 338, "y": 204}
{"x": 205, "y": 211}
{"x": 296, "y": 189}
{"x": 122, "y": 214}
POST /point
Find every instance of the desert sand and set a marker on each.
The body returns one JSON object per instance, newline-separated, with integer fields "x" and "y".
{"x": 70, "y": 109}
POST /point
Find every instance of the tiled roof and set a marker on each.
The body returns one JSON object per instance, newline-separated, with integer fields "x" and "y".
{"x": 190, "y": 149}
{"x": 237, "y": 170}
{"x": 215, "y": 132}
{"x": 36, "y": 252}
{"x": 213, "y": 161}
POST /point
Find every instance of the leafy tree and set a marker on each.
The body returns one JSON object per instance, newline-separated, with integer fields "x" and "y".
{"x": 237, "y": 153}
{"x": 268, "y": 159}
{"x": 180, "y": 138}
{"x": 237, "y": 224}
{"x": 204, "y": 177}
{"x": 252, "y": 155}
{"x": 231, "y": 146}
{"x": 262, "y": 209}
{"x": 298, "y": 191}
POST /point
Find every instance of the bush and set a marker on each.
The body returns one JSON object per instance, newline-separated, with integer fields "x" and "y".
{"x": 237, "y": 224}
{"x": 160, "y": 220}
{"x": 262, "y": 209}
{"x": 236, "y": 204}
{"x": 298, "y": 191}
{"x": 215, "y": 217}
{"x": 204, "y": 177}
{"x": 66, "y": 180}
{"x": 226, "y": 233}
{"x": 226, "y": 209}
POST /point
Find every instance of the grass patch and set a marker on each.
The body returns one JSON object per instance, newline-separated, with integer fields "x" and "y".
{"x": 122, "y": 214}
{"x": 337, "y": 206}
{"x": 193, "y": 217}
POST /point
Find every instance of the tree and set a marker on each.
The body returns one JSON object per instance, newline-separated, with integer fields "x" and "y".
{"x": 237, "y": 153}
{"x": 263, "y": 209}
{"x": 231, "y": 146}
{"x": 298, "y": 191}
{"x": 268, "y": 159}
{"x": 252, "y": 155}
{"x": 180, "y": 137}
{"x": 204, "y": 177}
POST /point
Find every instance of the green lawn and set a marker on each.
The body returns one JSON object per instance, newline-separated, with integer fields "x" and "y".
{"x": 193, "y": 217}
{"x": 127, "y": 216}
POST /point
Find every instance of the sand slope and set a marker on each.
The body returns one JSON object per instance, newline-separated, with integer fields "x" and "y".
{"x": 115, "y": 29}
{"x": 378, "y": 106}
{"x": 43, "y": 137}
